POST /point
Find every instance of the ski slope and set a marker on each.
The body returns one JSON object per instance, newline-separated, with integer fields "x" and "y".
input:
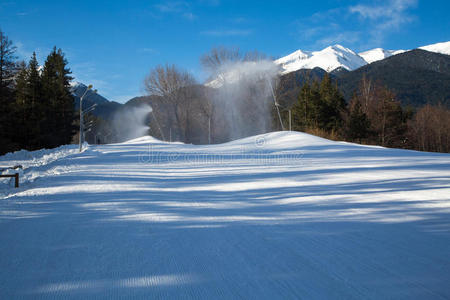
{"x": 277, "y": 216}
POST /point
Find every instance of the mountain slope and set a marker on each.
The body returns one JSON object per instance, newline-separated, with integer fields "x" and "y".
{"x": 78, "y": 89}
{"x": 105, "y": 109}
{"x": 417, "y": 77}
{"x": 290, "y": 84}
{"x": 337, "y": 56}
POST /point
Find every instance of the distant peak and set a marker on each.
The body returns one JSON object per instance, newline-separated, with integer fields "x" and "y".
{"x": 338, "y": 47}
{"x": 442, "y": 48}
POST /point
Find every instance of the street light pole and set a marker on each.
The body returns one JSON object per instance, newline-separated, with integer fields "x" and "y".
{"x": 81, "y": 117}
{"x": 209, "y": 130}
{"x": 290, "y": 120}
{"x": 276, "y": 103}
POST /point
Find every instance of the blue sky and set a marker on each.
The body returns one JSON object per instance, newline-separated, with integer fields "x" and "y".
{"x": 114, "y": 44}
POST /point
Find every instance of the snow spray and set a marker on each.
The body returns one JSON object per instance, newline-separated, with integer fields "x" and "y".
{"x": 243, "y": 92}
{"x": 131, "y": 122}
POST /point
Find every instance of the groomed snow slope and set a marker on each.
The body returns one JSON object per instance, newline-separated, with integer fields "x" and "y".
{"x": 277, "y": 216}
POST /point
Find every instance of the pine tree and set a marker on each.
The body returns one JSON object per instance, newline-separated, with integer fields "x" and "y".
{"x": 358, "y": 124}
{"x": 331, "y": 104}
{"x": 302, "y": 109}
{"x": 57, "y": 125}
{"x": 20, "y": 110}
{"x": 36, "y": 108}
{"x": 391, "y": 123}
{"x": 319, "y": 106}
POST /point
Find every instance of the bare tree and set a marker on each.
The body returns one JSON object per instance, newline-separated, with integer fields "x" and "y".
{"x": 430, "y": 128}
{"x": 255, "y": 55}
{"x": 174, "y": 86}
{"x": 384, "y": 112}
{"x": 219, "y": 56}
{"x": 7, "y": 73}
{"x": 366, "y": 93}
{"x": 7, "y": 64}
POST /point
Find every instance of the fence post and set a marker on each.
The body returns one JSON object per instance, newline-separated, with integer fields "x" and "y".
{"x": 16, "y": 183}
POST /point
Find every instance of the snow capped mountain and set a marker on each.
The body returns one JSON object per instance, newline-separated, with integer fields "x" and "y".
{"x": 378, "y": 54}
{"x": 443, "y": 48}
{"x": 78, "y": 89}
{"x": 337, "y": 56}
{"x": 330, "y": 58}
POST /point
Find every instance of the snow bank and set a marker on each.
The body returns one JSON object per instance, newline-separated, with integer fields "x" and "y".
{"x": 143, "y": 140}
{"x": 31, "y": 163}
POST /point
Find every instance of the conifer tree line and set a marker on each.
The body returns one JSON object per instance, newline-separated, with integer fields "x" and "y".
{"x": 37, "y": 108}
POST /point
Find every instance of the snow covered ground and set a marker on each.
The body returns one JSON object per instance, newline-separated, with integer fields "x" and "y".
{"x": 278, "y": 216}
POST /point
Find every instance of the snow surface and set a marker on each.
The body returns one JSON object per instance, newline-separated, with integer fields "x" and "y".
{"x": 378, "y": 54}
{"x": 328, "y": 59}
{"x": 30, "y": 163}
{"x": 278, "y": 216}
{"x": 443, "y": 48}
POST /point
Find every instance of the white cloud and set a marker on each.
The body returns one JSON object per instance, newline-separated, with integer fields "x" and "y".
{"x": 239, "y": 20}
{"x": 361, "y": 24}
{"x": 325, "y": 28}
{"x": 148, "y": 50}
{"x": 25, "y": 53}
{"x": 181, "y": 8}
{"x": 228, "y": 32}
{"x": 209, "y": 2}
{"x": 190, "y": 16}
{"x": 345, "y": 37}
{"x": 172, "y": 6}
{"x": 388, "y": 15}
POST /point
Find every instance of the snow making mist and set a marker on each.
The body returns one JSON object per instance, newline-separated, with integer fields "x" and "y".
{"x": 131, "y": 122}
{"x": 244, "y": 94}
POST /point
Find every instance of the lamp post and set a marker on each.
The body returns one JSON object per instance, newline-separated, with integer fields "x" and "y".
{"x": 275, "y": 102}
{"x": 81, "y": 116}
{"x": 277, "y": 105}
{"x": 290, "y": 120}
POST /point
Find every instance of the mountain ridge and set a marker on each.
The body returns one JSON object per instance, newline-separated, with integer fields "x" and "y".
{"x": 337, "y": 56}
